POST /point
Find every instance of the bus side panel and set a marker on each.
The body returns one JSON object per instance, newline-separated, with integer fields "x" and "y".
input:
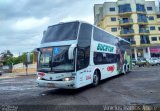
{"x": 84, "y": 77}
{"x": 108, "y": 70}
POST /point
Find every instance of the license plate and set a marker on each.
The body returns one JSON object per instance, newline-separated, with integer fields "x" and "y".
{"x": 51, "y": 85}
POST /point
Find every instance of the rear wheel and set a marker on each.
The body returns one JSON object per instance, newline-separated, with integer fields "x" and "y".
{"x": 96, "y": 78}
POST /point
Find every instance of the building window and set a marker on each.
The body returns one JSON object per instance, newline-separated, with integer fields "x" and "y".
{"x": 159, "y": 28}
{"x": 152, "y": 28}
{"x": 142, "y": 18}
{"x": 140, "y": 8}
{"x": 124, "y": 8}
{"x": 151, "y": 18}
{"x": 112, "y": 9}
{"x": 158, "y": 16}
{"x": 149, "y": 8}
{"x": 154, "y": 38}
{"x": 114, "y": 29}
{"x": 144, "y": 39}
{"x": 159, "y": 38}
{"x": 113, "y": 19}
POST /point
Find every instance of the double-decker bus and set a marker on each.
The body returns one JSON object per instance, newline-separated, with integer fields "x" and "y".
{"x": 76, "y": 54}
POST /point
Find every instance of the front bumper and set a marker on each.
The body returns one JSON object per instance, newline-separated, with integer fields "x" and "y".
{"x": 56, "y": 84}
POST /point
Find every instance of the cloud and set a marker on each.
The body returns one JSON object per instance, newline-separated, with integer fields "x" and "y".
{"x": 23, "y": 21}
{"x": 29, "y": 23}
{"x": 86, "y": 19}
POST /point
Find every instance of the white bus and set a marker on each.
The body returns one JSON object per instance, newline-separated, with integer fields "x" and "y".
{"x": 76, "y": 54}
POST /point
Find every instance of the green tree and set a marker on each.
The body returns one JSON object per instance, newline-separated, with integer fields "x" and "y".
{"x": 6, "y": 53}
{"x": 6, "y": 56}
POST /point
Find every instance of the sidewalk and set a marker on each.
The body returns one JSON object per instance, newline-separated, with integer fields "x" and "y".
{"x": 14, "y": 75}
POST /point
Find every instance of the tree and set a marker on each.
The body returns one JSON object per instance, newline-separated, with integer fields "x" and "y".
{"x": 5, "y": 56}
{"x": 8, "y": 58}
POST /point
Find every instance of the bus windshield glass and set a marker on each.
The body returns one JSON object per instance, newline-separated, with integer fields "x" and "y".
{"x": 61, "y": 32}
{"x": 55, "y": 60}
{"x": 45, "y": 59}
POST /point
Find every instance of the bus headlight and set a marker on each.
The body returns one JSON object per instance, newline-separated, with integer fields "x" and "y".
{"x": 68, "y": 79}
{"x": 39, "y": 78}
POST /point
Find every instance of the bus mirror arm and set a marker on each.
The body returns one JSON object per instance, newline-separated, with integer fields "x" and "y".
{"x": 71, "y": 51}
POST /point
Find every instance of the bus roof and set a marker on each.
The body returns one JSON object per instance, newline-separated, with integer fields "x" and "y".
{"x": 92, "y": 25}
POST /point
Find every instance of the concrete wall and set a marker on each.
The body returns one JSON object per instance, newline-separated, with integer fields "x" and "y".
{"x": 107, "y": 6}
{"x": 150, "y": 4}
{"x": 20, "y": 68}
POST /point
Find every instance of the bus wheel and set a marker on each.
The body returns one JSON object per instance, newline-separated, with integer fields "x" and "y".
{"x": 96, "y": 79}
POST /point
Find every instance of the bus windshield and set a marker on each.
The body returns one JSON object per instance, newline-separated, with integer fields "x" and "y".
{"x": 61, "y": 32}
{"x": 45, "y": 59}
{"x": 55, "y": 59}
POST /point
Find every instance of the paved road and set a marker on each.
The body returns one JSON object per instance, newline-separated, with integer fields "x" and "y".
{"x": 141, "y": 86}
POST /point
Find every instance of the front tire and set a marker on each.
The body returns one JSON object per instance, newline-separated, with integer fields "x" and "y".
{"x": 96, "y": 79}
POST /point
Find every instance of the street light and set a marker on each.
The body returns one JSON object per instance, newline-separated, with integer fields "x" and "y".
{"x": 159, "y": 4}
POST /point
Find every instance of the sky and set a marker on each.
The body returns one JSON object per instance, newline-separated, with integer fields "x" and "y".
{"x": 22, "y": 22}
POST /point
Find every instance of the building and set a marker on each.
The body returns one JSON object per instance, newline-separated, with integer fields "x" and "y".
{"x": 137, "y": 21}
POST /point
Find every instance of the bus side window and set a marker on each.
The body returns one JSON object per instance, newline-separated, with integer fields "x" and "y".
{"x": 118, "y": 58}
{"x": 80, "y": 59}
{"x": 98, "y": 58}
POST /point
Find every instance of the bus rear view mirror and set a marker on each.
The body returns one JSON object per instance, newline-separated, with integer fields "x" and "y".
{"x": 71, "y": 51}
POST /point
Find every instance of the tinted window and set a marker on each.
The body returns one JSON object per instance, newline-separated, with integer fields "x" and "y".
{"x": 61, "y": 32}
{"x": 124, "y": 45}
{"x": 154, "y": 38}
{"x": 144, "y": 39}
{"x": 85, "y": 33}
{"x": 151, "y": 18}
{"x": 140, "y": 7}
{"x": 113, "y": 19}
{"x": 152, "y": 28}
{"x": 105, "y": 58}
{"x": 158, "y": 16}
{"x": 84, "y": 41}
{"x": 102, "y": 36}
{"x": 114, "y": 29}
{"x": 124, "y": 8}
{"x": 149, "y": 8}
{"x": 112, "y": 9}
{"x": 83, "y": 56}
{"x": 142, "y": 18}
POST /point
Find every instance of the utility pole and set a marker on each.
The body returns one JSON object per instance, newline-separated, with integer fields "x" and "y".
{"x": 159, "y": 5}
{"x": 27, "y": 62}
